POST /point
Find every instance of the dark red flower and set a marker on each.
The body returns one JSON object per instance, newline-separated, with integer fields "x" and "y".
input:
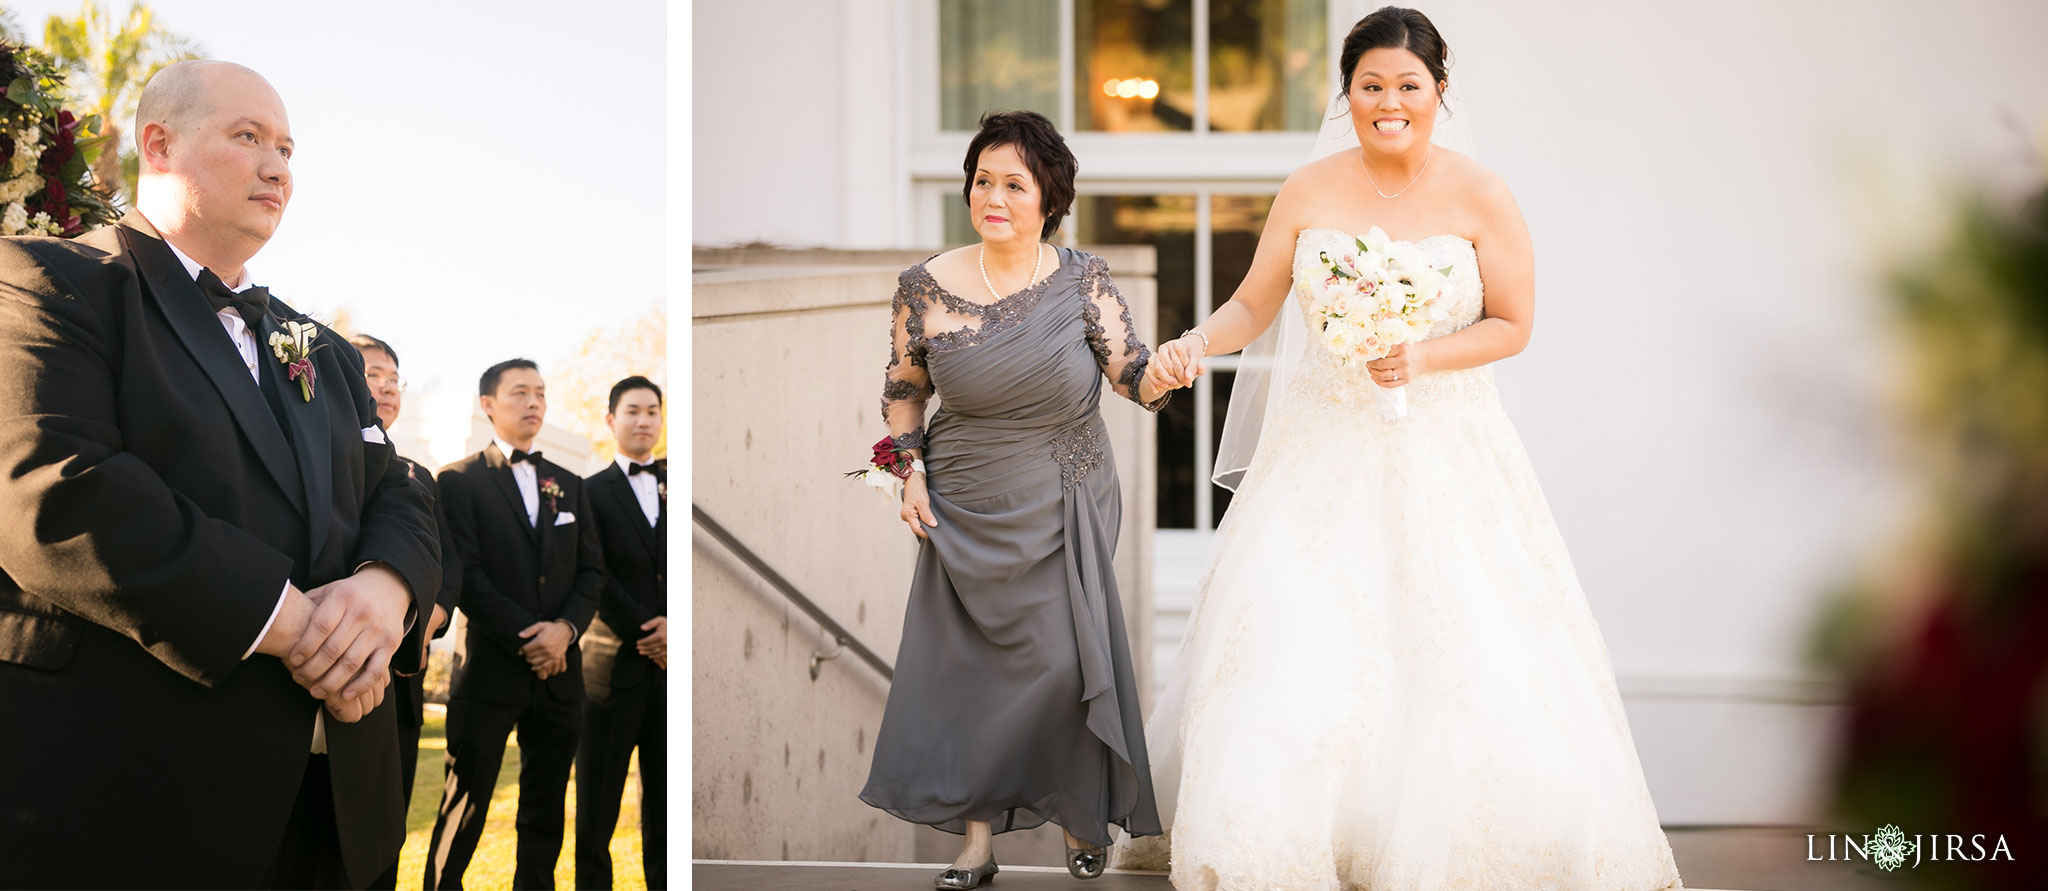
{"x": 59, "y": 153}
{"x": 57, "y": 196}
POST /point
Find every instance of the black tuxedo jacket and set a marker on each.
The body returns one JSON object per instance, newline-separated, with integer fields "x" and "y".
{"x": 410, "y": 691}
{"x": 636, "y": 585}
{"x": 514, "y": 574}
{"x": 155, "y": 507}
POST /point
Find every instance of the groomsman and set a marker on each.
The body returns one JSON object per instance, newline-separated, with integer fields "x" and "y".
{"x": 531, "y": 572}
{"x": 408, "y": 688}
{"x": 625, "y": 652}
{"x": 211, "y": 555}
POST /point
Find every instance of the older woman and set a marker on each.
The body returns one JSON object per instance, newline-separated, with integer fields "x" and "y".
{"x": 1014, "y": 702}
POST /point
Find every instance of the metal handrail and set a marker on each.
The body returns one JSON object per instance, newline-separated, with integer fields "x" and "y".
{"x": 841, "y": 637}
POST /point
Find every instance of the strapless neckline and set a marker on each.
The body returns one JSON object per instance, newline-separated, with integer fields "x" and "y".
{"x": 1467, "y": 241}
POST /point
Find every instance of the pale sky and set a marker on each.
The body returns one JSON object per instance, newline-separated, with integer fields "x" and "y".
{"x": 473, "y": 180}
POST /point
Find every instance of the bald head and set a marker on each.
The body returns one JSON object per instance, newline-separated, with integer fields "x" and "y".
{"x": 180, "y": 93}
{"x": 215, "y": 149}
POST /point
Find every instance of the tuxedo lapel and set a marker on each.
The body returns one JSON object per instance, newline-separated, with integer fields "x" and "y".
{"x": 312, "y": 440}
{"x": 619, "y": 488}
{"x": 501, "y": 470}
{"x": 661, "y": 505}
{"x": 203, "y": 337}
{"x": 543, "y": 470}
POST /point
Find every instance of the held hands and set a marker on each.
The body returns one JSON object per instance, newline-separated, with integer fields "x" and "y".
{"x": 547, "y": 647}
{"x": 655, "y": 645}
{"x": 917, "y": 506}
{"x": 337, "y": 639}
{"x": 1177, "y": 363}
{"x": 1403, "y": 364}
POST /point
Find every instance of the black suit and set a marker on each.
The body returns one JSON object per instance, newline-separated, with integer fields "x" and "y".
{"x": 514, "y": 574}
{"x": 410, "y": 690}
{"x": 627, "y": 693}
{"x": 156, "y": 503}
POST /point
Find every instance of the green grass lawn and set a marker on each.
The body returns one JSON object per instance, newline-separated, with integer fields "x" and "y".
{"x": 497, "y": 851}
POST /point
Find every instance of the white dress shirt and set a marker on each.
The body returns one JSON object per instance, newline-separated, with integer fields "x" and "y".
{"x": 528, "y": 478}
{"x": 645, "y": 487}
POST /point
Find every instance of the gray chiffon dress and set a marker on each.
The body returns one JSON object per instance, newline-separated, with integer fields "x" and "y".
{"x": 1014, "y": 701}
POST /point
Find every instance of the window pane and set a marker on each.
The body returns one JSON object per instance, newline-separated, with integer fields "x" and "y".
{"x": 1235, "y": 223}
{"x": 1268, "y": 65}
{"x": 997, "y": 55}
{"x": 1167, "y": 222}
{"x": 1134, "y": 65}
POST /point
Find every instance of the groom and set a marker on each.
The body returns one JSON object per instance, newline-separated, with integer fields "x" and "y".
{"x": 208, "y": 561}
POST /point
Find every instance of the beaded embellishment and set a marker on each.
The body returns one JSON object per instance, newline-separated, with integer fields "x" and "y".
{"x": 1078, "y": 450}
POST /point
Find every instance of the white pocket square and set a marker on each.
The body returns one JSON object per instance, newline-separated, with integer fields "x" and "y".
{"x": 565, "y": 518}
{"x": 372, "y": 434}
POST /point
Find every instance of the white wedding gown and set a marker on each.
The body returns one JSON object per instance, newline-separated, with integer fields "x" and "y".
{"x": 1391, "y": 679}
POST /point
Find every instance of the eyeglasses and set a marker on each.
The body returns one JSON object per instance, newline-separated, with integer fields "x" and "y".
{"x": 379, "y": 380}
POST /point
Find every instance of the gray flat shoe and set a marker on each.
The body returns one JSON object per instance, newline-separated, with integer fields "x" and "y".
{"x": 1087, "y": 863}
{"x": 963, "y": 879}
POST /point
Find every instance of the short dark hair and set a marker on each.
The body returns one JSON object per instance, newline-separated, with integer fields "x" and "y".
{"x": 1045, "y": 153}
{"x": 1395, "y": 27}
{"x": 636, "y": 382}
{"x": 365, "y": 342}
{"x": 488, "y": 384}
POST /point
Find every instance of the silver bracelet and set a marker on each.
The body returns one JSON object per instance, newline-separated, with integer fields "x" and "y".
{"x": 1204, "y": 337}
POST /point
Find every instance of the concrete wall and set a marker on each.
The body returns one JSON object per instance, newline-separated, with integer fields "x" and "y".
{"x": 788, "y": 351}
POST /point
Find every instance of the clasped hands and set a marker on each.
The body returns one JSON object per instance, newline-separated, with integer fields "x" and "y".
{"x": 1177, "y": 363}
{"x": 655, "y": 644}
{"x": 338, "y": 638}
{"x": 547, "y": 647}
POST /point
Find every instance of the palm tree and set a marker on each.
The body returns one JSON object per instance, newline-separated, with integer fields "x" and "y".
{"x": 110, "y": 62}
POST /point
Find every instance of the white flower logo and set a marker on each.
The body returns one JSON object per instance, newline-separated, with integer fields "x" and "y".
{"x": 1888, "y": 849}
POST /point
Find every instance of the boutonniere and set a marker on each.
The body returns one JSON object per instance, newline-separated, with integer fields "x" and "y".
{"x": 661, "y": 489}
{"x": 553, "y": 492}
{"x": 295, "y": 348}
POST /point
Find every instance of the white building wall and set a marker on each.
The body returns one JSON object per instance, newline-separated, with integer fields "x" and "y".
{"x": 796, "y": 123}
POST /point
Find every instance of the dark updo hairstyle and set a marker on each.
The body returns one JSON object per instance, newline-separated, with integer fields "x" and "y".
{"x": 1045, "y": 153}
{"x": 1395, "y": 27}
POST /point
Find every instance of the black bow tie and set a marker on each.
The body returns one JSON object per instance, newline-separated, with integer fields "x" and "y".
{"x": 252, "y": 304}
{"x": 519, "y": 455}
{"x": 658, "y": 468}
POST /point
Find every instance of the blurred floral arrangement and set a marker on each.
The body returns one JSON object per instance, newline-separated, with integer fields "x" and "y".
{"x": 46, "y": 153}
{"x": 1945, "y": 645}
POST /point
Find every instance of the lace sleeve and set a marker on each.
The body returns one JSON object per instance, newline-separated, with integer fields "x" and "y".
{"x": 1114, "y": 338}
{"x": 906, "y": 385}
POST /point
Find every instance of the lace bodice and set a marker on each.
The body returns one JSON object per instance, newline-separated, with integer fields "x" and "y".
{"x": 1323, "y": 376}
{"x": 928, "y": 319}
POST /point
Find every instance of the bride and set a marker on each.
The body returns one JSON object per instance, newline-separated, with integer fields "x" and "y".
{"x": 1392, "y": 679}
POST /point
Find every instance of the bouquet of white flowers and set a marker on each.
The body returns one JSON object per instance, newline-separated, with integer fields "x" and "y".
{"x": 1362, "y": 304}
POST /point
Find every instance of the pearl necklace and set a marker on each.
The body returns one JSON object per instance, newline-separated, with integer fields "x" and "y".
{"x": 1411, "y": 183}
{"x": 982, "y": 259}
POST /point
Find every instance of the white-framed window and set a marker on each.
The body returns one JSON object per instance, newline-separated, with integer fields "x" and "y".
{"x": 1186, "y": 116}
